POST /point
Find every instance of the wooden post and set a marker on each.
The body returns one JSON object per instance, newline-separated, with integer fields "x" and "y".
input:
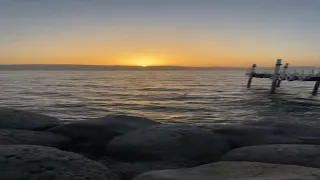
{"x": 284, "y": 72}
{"x": 316, "y": 86}
{"x": 275, "y": 76}
{"x": 253, "y": 70}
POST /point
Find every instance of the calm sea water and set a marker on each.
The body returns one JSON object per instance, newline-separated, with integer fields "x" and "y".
{"x": 202, "y": 97}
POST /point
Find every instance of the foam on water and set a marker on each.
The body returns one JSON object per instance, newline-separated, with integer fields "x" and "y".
{"x": 202, "y": 97}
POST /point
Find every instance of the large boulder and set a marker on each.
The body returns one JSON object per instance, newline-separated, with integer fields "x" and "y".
{"x": 291, "y": 128}
{"x": 249, "y": 135}
{"x": 295, "y": 154}
{"x": 129, "y": 170}
{"x": 89, "y": 137}
{"x": 235, "y": 171}
{"x": 17, "y": 119}
{"x": 26, "y": 137}
{"x": 169, "y": 142}
{"x": 103, "y": 129}
{"x": 43, "y": 163}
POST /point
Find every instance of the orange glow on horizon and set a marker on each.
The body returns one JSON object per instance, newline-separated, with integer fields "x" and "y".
{"x": 143, "y": 57}
{"x": 155, "y": 47}
{"x": 146, "y": 61}
{"x": 143, "y": 60}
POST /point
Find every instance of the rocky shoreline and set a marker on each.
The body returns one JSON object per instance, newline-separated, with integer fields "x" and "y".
{"x": 119, "y": 147}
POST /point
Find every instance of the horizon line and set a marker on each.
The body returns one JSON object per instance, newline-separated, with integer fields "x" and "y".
{"x": 146, "y": 67}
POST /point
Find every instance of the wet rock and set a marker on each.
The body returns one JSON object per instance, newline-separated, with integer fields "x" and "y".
{"x": 290, "y": 128}
{"x": 26, "y": 137}
{"x": 248, "y": 135}
{"x": 129, "y": 170}
{"x": 43, "y": 163}
{"x": 235, "y": 171}
{"x": 295, "y": 154}
{"x": 90, "y": 137}
{"x": 170, "y": 143}
{"x": 103, "y": 129}
{"x": 17, "y": 119}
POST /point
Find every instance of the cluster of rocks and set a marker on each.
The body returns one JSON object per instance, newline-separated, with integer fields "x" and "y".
{"x": 119, "y": 147}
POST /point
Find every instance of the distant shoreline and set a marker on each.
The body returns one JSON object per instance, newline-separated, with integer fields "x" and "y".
{"x": 60, "y": 67}
{"x": 104, "y": 68}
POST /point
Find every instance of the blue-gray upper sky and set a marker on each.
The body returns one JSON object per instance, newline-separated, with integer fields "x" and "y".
{"x": 166, "y": 32}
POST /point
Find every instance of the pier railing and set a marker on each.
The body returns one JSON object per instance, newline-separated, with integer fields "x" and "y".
{"x": 283, "y": 75}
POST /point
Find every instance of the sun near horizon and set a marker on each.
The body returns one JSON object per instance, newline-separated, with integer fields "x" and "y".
{"x": 142, "y": 60}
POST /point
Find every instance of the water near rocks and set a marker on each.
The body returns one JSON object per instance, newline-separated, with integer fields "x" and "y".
{"x": 202, "y": 97}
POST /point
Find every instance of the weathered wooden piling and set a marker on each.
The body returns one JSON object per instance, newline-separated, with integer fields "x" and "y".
{"x": 283, "y": 74}
{"x": 316, "y": 87}
{"x": 278, "y": 76}
{"x": 275, "y": 76}
{"x": 252, "y": 71}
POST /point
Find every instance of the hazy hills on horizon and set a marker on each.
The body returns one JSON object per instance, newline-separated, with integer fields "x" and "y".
{"x": 75, "y": 67}
{"x": 63, "y": 67}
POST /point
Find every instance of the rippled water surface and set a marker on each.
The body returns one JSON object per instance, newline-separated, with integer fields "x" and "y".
{"x": 202, "y": 97}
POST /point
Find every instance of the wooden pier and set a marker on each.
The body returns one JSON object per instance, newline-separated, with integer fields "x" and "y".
{"x": 281, "y": 75}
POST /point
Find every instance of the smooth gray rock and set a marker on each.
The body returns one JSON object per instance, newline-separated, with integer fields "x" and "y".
{"x": 129, "y": 170}
{"x": 290, "y": 128}
{"x": 26, "y": 137}
{"x": 169, "y": 142}
{"x": 248, "y": 135}
{"x": 17, "y": 119}
{"x": 90, "y": 137}
{"x": 25, "y": 162}
{"x": 103, "y": 129}
{"x": 236, "y": 171}
{"x": 295, "y": 154}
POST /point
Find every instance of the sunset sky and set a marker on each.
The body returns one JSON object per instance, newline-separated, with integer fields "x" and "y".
{"x": 160, "y": 32}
